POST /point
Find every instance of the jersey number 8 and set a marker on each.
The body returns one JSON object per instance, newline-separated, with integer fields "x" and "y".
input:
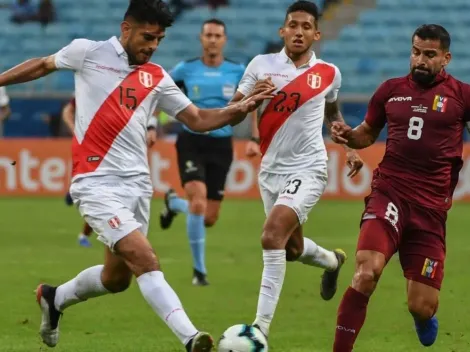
{"x": 415, "y": 128}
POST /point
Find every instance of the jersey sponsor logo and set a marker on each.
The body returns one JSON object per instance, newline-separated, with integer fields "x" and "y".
{"x": 107, "y": 68}
{"x": 429, "y": 268}
{"x": 440, "y": 103}
{"x": 93, "y": 158}
{"x": 285, "y": 197}
{"x": 212, "y": 74}
{"x": 400, "y": 99}
{"x": 369, "y": 216}
{"x": 314, "y": 80}
{"x": 190, "y": 167}
{"x": 114, "y": 222}
{"x": 343, "y": 328}
{"x": 420, "y": 108}
{"x": 228, "y": 90}
{"x": 391, "y": 214}
{"x": 145, "y": 79}
{"x": 276, "y": 75}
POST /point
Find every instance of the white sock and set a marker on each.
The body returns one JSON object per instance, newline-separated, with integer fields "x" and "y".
{"x": 315, "y": 255}
{"x": 271, "y": 286}
{"x": 85, "y": 285}
{"x": 164, "y": 301}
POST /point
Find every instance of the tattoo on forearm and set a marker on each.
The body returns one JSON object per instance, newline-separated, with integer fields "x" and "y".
{"x": 333, "y": 114}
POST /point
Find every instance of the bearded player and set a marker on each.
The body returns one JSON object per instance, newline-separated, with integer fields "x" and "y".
{"x": 293, "y": 172}
{"x": 412, "y": 187}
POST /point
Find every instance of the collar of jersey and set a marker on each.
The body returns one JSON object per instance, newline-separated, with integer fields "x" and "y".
{"x": 287, "y": 59}
{"x": 118, "y": 47}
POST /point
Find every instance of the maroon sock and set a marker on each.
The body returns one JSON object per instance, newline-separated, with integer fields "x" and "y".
{"x": 351, "y": 317}
{"x": 87, "y": 230}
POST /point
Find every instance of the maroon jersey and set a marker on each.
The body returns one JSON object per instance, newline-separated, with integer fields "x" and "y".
{"x": 423, "y": 154}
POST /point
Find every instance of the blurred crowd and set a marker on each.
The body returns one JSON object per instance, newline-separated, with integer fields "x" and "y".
{"x": 179, "y": 6}
{"x": 23, "y": 11}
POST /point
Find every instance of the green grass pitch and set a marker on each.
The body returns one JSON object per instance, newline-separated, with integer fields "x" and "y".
{"x": 38, "y": 244}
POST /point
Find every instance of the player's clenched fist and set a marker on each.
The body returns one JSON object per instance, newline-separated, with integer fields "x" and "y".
{"x": 340, "y": 132}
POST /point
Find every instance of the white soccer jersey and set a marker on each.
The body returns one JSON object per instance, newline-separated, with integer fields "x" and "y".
{"x": 290, "y": 125}
{"x": 4, "y": 100}
{"x": 114, "y": 102}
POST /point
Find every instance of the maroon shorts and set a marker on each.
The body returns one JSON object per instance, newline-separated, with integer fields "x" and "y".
{"x": 417, "y": 233}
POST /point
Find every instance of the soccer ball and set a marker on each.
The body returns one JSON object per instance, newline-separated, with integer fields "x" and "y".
{"x": 243, "y": 338}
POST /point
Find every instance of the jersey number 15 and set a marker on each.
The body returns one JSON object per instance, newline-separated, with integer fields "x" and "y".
{"x": 127, "y": 98}
{"x": 415, "y": 128}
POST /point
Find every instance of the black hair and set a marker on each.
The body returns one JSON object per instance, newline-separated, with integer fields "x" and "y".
{"x": 304, "y": 6}
{"x": 433, "y": 32}
{"x": 215, "y": 21}
{"x": 150, "y": 11}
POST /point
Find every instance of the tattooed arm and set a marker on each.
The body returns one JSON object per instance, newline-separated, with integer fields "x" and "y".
{"x": 333, "y": 114}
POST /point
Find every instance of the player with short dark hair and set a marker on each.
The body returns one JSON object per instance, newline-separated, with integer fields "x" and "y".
{"x": 293, "y": 172}
{"x": 204, "y": 160}
{"x": 117, "y": 89}
{"x": 412, "y": 188}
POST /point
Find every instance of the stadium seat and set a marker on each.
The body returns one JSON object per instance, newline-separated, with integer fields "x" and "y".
{"x": 376, "y": 46}
{"x": 385, "y": 33}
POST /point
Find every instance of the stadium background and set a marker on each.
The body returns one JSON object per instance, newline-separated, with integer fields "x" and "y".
{"x": 370, "y": 42}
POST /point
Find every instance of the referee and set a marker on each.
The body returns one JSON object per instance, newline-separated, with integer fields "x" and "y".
{"x": 204, "y": 160}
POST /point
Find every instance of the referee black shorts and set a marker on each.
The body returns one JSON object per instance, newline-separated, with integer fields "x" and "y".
{"x": 204, "y": 158}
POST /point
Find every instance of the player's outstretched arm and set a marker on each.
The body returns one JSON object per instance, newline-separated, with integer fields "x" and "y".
{"x": 28, "y": 71}
{"x": 333, "y": 115}
{"x": 203, "y": 120}
{"x": 260, "y": 86}
{"x": 361, "y": 137}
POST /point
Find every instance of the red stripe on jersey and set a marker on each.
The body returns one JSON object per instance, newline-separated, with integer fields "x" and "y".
{"x": 112, "y": 116}
{"x": 291, "y": 97}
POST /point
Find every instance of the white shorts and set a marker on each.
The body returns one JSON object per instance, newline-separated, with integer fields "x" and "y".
{"x": 114, "y": 206}
{"x": 300, "y": 191}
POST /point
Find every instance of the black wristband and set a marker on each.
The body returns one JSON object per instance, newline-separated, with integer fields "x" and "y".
{"x": 255, "y": 139}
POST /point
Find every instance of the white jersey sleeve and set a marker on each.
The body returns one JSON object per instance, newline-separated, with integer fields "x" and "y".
{"x": 250, "y": 77}
{"x": 171, "y": 99}
{"x": 152, "y": 122}
{"x": 73, "y": 55}
{"x": 332, "y": 95}
{"x": 4, "y": 100}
